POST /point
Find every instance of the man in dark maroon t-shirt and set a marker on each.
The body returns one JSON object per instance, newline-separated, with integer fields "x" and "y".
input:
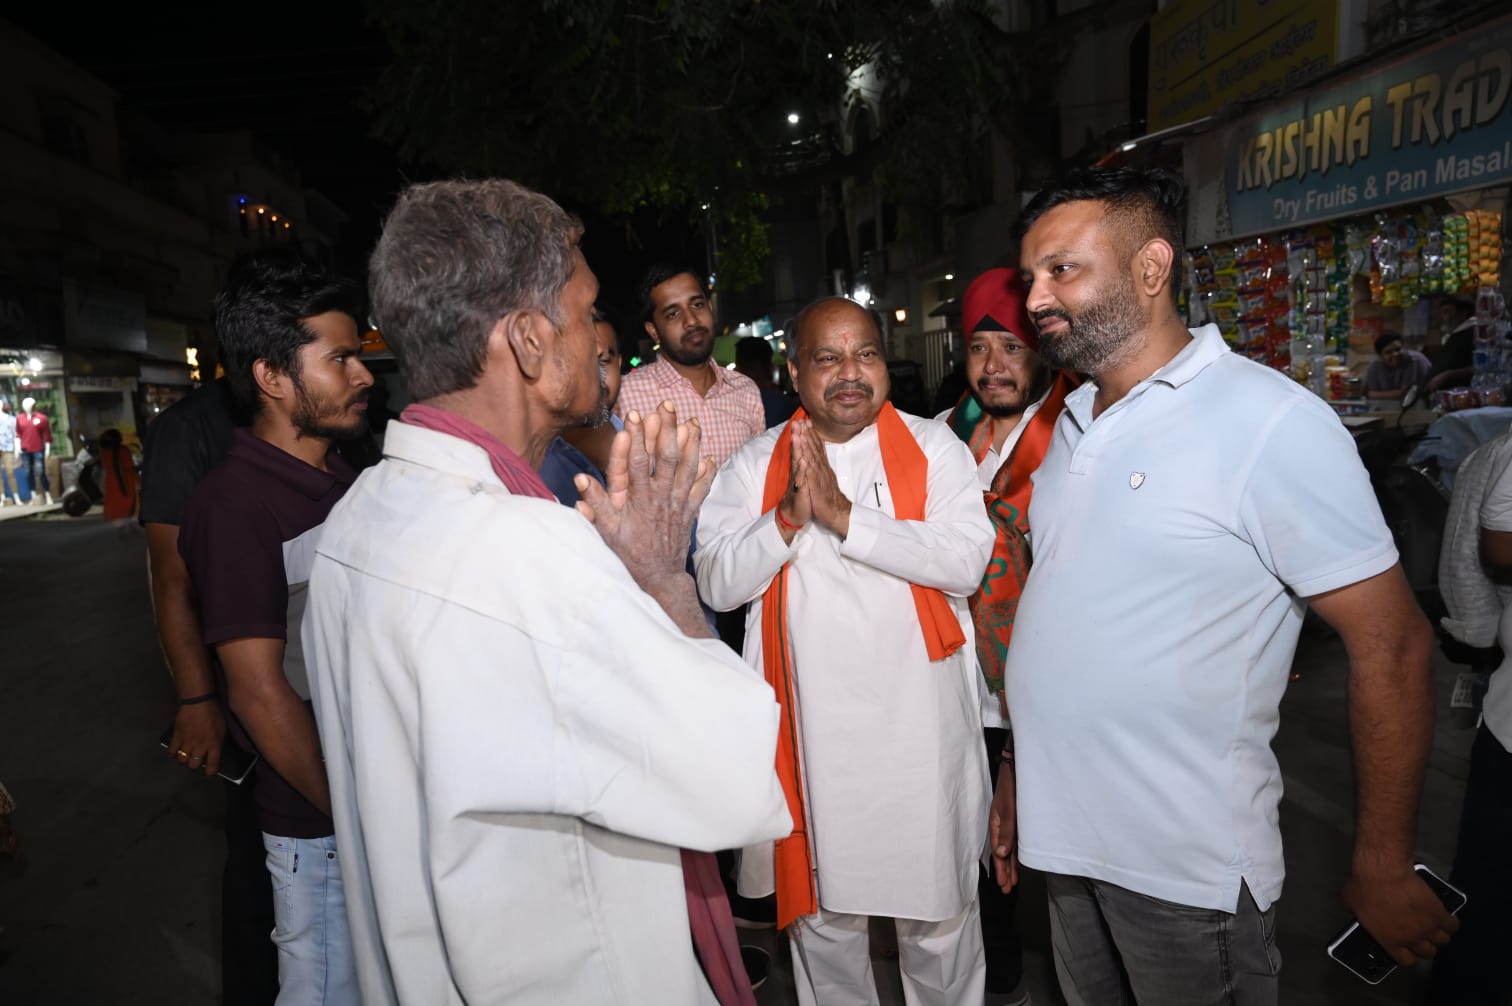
{"x": 289, "y": 339}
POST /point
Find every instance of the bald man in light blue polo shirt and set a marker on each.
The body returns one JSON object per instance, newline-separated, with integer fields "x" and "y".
{"x": 1191, "y": 505}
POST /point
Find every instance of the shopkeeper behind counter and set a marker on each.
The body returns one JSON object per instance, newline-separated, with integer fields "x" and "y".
{"x": 1456, "y": 355}
{"x": 1396, "y": 368}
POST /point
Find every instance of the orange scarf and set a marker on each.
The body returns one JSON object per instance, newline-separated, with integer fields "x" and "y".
{"x": 995, "y": 604}
{"x": 907, "y": 471}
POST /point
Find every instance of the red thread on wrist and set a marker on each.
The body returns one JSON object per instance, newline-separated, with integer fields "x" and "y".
{"x": 784, "y": 523}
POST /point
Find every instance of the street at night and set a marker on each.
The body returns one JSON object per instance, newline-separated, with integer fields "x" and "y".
{"x": 667, "y": 502}
{"x": 115, "y": 898}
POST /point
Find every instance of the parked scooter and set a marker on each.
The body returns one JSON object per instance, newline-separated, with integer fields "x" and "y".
{"x": 1414, "y": 503}
{"x": 86, "y": 491}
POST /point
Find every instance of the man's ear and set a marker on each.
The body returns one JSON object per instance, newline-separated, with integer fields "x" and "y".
{"x": 651, "y": 331}
{"x": 271, "y": 381}
{"x": 528, "y": 336}
{"x": 1153, "y": 268}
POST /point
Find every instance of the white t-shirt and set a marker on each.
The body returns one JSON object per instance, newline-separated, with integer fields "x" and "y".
{"x": 1496, "y": 515}
{"x": 987, "y": 469}
{"x": 1174, "y": 538}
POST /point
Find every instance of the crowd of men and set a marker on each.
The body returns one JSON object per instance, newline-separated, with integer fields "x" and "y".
{"x": 502, "y": 738}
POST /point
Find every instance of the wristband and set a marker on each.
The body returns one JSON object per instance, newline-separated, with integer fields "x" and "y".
{"x": 196, "y": 700}
{"x": 784, "y": 523}
{"x": 1007, "y": 756}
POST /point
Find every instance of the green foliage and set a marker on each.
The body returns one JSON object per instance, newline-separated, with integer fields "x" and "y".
{"x": 673, "y": 104}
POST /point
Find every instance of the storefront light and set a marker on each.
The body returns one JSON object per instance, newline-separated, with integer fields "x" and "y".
{"x": 35, "y": 365}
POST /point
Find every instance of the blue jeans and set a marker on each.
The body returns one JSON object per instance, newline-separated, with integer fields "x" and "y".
{"x": 315, "y": 959}
{"x": 35, "y": 463}
{"x": 1471, "y": 970}
{"x": 1113, "y": 946}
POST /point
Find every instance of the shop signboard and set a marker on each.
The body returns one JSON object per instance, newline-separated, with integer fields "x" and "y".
{"x": 1205, "y": 54}
{"x": 1432, "y": 124}
{"x": 98, "y": 317}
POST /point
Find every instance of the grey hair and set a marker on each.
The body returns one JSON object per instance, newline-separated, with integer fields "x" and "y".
{"x": 454, "y": 258}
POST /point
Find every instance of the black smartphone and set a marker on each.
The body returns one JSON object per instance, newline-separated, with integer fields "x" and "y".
{"x": 1359, "y": 952}
{"x": 236, "y": 761}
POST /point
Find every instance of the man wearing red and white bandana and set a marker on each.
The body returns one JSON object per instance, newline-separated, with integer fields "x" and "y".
{"x": 679, "y": 315}
{"x": 856, "y": 533}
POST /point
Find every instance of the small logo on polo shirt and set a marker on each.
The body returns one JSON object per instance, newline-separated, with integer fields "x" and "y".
{"x": 1136, "y": 479}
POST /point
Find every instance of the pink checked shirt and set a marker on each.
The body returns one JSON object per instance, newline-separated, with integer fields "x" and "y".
{"x": 730, "y": 414}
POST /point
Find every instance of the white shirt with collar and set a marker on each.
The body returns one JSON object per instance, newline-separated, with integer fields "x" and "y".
{"x": 518, "y": 742}
{"x": 1175, "y": 535}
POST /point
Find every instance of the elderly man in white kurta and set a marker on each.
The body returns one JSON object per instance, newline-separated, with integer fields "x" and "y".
{"x": 526, "y": 721}
{"x": 857, "y": 532}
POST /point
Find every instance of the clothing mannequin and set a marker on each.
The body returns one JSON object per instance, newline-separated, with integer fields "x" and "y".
{"x": 8, "y": 450}
{"x": 33, "y": 446}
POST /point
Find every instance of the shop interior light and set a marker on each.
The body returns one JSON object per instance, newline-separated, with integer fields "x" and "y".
{"x": 275, "y": 218}
{"x": 35, "y": 365}
{"x": 26, "y": 382}
{"x": 901, "y": 314}
{"x": 261, "y": 210}
{"x": 949, "y": 276}
{"x": 792, "y": 118}
{"x": 286, "y": 225}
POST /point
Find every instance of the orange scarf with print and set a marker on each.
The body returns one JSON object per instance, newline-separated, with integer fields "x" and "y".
{"x": 995, "y": 603}
{"x": 907, "y": 470}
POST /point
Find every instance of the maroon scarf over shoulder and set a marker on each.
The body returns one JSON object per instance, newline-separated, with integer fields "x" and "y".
{"x": 709, "y": 918}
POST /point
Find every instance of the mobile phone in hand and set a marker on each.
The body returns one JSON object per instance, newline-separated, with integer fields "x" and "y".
{"x": 236, "y": 761}
{"x": 1358, "y": 951}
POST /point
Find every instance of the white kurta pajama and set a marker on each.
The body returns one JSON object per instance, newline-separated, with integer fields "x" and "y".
{"x": 896, "y": 784}
{"x": 518, "y": 741}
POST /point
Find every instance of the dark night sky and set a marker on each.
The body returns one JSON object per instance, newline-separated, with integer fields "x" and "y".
{"x": 293, "y": 73}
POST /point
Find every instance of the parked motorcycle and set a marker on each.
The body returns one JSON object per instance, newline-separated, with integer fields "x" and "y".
{"x": 86, "y": 491}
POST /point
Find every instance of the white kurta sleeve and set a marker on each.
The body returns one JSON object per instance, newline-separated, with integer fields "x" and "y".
{"x": 608, "y": 714}
{"x": 947, "y": 550}
{"x": 739, "y": 547}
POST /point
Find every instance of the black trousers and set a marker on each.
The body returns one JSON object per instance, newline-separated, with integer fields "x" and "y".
{"x": 249, "y": 960}
{"x": 1005, "y": 952}
{"x": 1472, "y": 969}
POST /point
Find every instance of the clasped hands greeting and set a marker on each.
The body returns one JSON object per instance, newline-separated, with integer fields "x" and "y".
{"x": 654, "y": 485}
{"x": 813, "y": 492}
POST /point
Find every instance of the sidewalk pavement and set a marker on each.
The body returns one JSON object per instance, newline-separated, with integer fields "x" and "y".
{"x": 13, "y": 511}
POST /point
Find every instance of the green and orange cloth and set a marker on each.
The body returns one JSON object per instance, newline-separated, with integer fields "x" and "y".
{"x": 995, "y": 302}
